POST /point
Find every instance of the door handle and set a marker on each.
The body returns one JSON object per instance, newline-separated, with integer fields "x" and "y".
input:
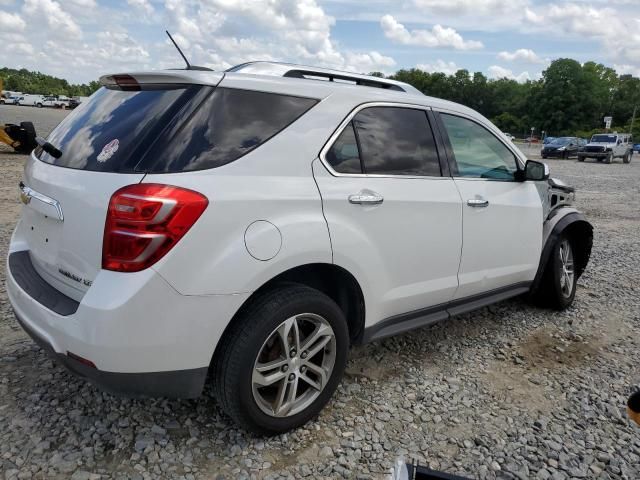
{"x": 478, "y": 202}
{"x": 366, "y": 198}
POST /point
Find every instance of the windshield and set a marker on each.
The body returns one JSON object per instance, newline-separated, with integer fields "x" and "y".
{"x": 604, "y": 139}
{"x": 561, "y": 141}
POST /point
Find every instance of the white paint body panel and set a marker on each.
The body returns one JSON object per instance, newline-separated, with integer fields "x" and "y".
{"x": 503, "y": 241}
{"x": 405, "y": 251}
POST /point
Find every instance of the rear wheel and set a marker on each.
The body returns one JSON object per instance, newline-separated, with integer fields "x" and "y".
{"x": 39, "y": 105}
{"x": 627, "y": 157}
{"x": 282, "y": 360}
{"x": 558, "y": 287}
{"x": 580, "y": 158}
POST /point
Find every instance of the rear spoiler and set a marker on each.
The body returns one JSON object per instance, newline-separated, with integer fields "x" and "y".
{"x": 132, "y": 81}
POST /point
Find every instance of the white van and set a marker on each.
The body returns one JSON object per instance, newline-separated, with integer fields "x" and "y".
{"x": 31, "y": 100}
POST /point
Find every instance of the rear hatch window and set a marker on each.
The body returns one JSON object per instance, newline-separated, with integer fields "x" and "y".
{"x": 169, "y": 129}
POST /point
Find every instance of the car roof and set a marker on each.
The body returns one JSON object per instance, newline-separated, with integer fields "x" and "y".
{"x": 312, "y": 82}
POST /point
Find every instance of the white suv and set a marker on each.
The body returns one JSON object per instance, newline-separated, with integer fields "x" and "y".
{"x": 607, "y": 147}
{"x": 260, "y": 221}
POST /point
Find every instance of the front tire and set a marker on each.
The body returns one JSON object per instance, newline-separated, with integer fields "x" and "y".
{"x": 608, "y": 158}
{"x": 558, "y": 287}
{"x": 282, "y": 359}
{"x": 580, "y": 158}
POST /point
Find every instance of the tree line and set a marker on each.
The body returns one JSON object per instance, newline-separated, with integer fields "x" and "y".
{"x": 26, "y": 81}
{"x": 569, "y": 99}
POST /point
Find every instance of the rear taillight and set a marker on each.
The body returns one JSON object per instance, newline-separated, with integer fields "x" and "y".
{"x": 145, "y": 221}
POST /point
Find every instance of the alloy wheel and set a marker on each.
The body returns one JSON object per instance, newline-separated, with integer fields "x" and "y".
{"x": 294, "y": 365}
{"x": 567, "y": 269}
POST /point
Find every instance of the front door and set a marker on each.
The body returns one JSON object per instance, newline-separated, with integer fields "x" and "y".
{"x": 502, "y": 218}
{"x": 394, "y": 221}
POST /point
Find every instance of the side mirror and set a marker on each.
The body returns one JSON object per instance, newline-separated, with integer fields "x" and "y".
{"x": 619, "y": 142}
{"x": 536, "y": 171}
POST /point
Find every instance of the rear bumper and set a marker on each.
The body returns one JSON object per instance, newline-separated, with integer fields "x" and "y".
{"x": 173, "y": 384}
{"x": 144, "y": 338}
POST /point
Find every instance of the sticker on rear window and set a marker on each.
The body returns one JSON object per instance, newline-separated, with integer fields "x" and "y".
{"x": 108, "y": 150}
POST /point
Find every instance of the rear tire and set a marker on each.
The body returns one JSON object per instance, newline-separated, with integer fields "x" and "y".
{"x": 29, "y": 142}
{"x": 264, "y": 334}
{"x": 626, "y": 158}
{"x": 580, "y": 158}
{"x": 558, "y": 286}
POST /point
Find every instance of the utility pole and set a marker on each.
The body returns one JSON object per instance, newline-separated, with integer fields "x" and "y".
{"x": 633, "y": 119}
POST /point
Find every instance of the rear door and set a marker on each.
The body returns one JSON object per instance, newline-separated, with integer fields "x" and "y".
{"x": 101, "y": 143}
{"x": 502, "y": 218}
{"x": 394, "y": 219}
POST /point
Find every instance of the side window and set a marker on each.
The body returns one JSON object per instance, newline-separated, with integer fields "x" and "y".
{"x": 396, "y": 141}
{"x": 478, "y": 153}
{"x": 344, "y": 156}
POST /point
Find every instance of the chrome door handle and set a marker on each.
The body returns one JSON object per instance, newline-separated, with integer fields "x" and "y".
{"x": 366, "y": 198}
{"x": 478, "y": 202}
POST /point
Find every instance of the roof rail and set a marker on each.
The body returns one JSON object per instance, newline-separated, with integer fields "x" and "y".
{"x": 325, "y": 74}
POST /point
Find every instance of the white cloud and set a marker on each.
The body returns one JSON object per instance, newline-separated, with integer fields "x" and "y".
{"x": 471, "y": 7}
{"x": 618, "y": 31}
{"x": 221, "y": 33}
{"x": 448, "y": 68}
{"x": 521, "y": 55}
{"x": 438, "y": 36}
{"x": 496, "y": 72}
{"x": 143, "y": 6}
{"x": 11, "y": 22}
{"x": 58, "y": 20}
{"x": 627, "y": 70}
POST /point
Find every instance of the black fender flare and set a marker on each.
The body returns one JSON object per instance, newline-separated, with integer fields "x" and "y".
{"x": 581, "y": 232}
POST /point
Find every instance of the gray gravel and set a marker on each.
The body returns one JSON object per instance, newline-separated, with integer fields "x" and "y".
{"x": 509, "y": 392}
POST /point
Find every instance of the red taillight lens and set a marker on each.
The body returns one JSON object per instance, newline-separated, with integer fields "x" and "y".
{"x": 145, "y": 221}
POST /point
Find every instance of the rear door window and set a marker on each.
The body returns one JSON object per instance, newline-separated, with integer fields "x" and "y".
{"x": 396, "y": 141}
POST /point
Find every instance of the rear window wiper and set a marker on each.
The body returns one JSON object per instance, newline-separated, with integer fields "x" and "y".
{"x": 49, "y": 148}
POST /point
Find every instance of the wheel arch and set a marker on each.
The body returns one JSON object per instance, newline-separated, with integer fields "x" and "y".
{"x": 573, "y": 223}
{"x": 332, "y": 280}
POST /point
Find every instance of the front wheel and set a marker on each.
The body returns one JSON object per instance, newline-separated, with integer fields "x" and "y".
{"x": 558, "y": 287}
{"x": 608, "y": 158}
{"x": 282, "y": 359}
{"x": 580, "y": 158}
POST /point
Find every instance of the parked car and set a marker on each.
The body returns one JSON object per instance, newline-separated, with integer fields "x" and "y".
{"x": 608, "y": 146}
{"x": 636, "y": 147}
{"x": 547, "y": 140}
{"x": 312, "y": 215}
{"x": 562, "y": 147}
{"x": 12, "y": 100}
{"x": 509, "y": 136}
{"x": 533, "y": 139}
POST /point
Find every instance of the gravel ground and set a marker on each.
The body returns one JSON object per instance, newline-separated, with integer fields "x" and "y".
{"x": 511, "y": 391}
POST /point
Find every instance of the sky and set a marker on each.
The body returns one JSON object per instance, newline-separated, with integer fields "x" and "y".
{"x": 82, "y": 39}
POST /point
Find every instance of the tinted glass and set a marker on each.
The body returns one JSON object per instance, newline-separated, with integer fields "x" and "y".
{"x": 110, "y": 131}
{"x": 343, "y": 155}
{"x": 396, "y": 141}
{"x": 478, "y": 153}
{"x": 228, "y": 124}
